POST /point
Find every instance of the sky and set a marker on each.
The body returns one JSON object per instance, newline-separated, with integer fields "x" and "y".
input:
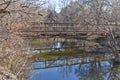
{"x": 47, "y": 4}
{"x": 56, "y": 4}
{"x": 51, "y": 4}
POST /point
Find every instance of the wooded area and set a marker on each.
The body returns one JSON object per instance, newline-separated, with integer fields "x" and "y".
{"x": 86, "y": 12}
{"x": 17, "y": 14}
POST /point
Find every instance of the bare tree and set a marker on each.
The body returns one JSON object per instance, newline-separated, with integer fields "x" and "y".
{"x": 115, "y": 11}
{"x": 14, "y": 15}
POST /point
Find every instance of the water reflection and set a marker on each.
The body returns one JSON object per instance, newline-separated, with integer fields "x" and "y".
{"x": 83, "y": 67}
{"x": 93, "y": 71}
{"x": 55, "y": 47}
{"x": 87, "y": 68}
{"x": 114, "y": 72}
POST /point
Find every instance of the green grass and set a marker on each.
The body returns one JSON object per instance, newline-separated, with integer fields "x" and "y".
{"x": 57, "y": 55}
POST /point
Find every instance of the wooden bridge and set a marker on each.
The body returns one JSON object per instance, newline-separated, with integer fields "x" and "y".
{"x": 71, "y": 31}
{"x": 66, "y": 30}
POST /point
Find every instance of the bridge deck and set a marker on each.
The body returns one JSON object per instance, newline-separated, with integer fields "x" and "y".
{"x": 66, "y": 30}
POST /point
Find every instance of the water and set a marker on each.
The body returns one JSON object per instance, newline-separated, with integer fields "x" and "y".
{"x": 55, "y": 47}
{"x": 76, "y": 68}
{"x": 89, "y": 67}
{"x": 103, "y": 70}
{"x": 59, "y": 73}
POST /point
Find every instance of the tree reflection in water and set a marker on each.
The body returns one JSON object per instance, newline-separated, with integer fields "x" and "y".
{"x": 84, "y": 69}
{"x": 93, "y": 71}
{"x": 96, "y": 70}
{"x": 114, "y": 73}
{"x": 65, "y": 71}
